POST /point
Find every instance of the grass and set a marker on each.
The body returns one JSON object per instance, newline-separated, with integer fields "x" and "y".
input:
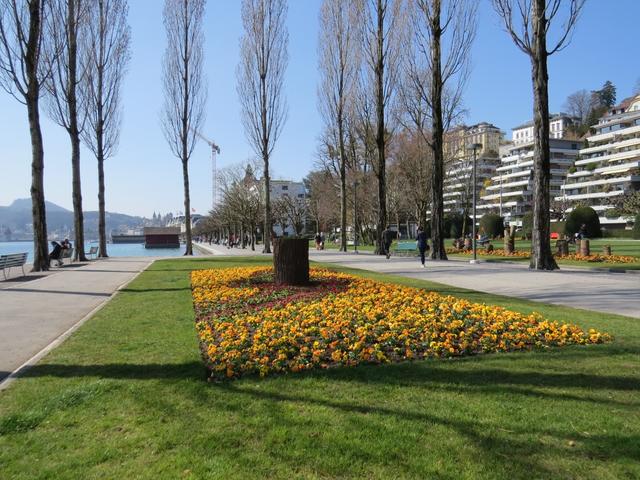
{"x": 125, "y": 397}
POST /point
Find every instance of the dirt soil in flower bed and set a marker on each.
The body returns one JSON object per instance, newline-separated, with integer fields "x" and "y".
{"x": 248, "y": 325}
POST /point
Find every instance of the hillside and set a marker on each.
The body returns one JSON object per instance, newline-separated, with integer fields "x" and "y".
{"x": 17, "y": 218}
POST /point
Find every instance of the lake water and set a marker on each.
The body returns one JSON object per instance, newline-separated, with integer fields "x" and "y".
{"x": 113, "y": 249}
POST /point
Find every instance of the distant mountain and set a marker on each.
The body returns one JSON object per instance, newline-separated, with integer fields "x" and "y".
{"x": 17, "y": 217}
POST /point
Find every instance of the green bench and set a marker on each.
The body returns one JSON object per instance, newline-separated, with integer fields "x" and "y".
{"x": 407, "y": 248}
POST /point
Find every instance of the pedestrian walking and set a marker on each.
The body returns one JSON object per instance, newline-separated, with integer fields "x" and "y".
{"x": 422, "y": 244}
{"x": 387, "y": 238}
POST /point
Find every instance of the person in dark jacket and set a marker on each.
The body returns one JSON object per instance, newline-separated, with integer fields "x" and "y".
{"x": 421, "y": 243}
{"x": 387, "y": 237}
{"x": 56, "y": 253}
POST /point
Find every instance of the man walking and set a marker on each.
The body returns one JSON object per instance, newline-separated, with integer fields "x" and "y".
{"x": 387, "y": 238}
{"x": 421, "y": 243}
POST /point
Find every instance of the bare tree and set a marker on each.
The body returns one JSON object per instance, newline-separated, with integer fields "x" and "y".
{"x": 107, "y": 50}
{"x": 579, "y": 104}
{"x": 260, "y": 73}
{"x": 23, "y": 71}
{"x": 528, "y": 22}
{"x": 69, "y": 21}
{"x": 437, "y": 68}
{"x": 338, "y": 65}
{"x": 383, "y": 27}
{"x": 185, "y": 90}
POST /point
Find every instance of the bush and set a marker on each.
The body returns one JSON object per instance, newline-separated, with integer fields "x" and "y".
{"x": 636, "y": 227}
{"x": 617, "y": 233}
{"x": 453, "y": 225}
{"x": 492, "y": 224}
{"x": 557, "y": 227}
{"x": 586, "y": 216}
{"x": 527, "y": 225}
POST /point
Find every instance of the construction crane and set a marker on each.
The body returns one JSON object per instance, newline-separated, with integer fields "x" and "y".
{"x": 215, "y": 150}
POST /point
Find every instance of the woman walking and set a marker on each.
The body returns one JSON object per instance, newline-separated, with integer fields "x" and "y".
{"x": 421, "y": 243}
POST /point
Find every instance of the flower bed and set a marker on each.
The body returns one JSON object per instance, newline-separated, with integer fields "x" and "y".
{"x": 248, "y": 325}
{"x": 599, "y": 258}
{"x": 493, "y": 253}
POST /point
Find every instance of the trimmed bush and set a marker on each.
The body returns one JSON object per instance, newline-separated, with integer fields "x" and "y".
{"x": 586, "y": 216}
{"x": 636, "y": 227}
{"x": 492, "y": 224}
{"x": 453, "y": 225}
{"x": 527, "y": 225}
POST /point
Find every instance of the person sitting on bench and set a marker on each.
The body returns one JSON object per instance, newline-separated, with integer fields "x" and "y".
{"x": 56, "y": 253}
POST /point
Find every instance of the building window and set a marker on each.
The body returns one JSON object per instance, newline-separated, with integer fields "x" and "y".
{"x": 285, "y": 187}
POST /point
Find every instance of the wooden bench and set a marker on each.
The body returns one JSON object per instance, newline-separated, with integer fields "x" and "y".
{"x": 66, "y": 253}
{"x": 93, "y": 251}
{"x": 12, "y": 260}
{"x": 405, "y": 248}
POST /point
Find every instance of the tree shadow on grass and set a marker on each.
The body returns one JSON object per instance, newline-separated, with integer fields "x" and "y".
{"x": 505, "y": 444}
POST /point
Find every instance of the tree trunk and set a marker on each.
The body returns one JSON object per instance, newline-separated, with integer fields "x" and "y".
{"x": 291, "y": 261}
{"x": 343, "y": 192}
{"x": 437, "y": 203}
{"x": 38, "y": 212}
{"x": 78, "y": 217}
{"x": 74, "y": 132}
{"x": 38, "y": 209}
{"x": 541, "y": 254}
{"x": 102, "y": 228}
{"x": 187, "y": 208}
{"x": 380, "y": 132}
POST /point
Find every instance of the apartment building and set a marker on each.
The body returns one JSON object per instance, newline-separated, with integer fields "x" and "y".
{"x": 509, "y": 192}
{"x": 458, "y": 188}
{"x": 295, "y": 191}
{"x": 558, "y": 125}
{"x": 609, "y": 163}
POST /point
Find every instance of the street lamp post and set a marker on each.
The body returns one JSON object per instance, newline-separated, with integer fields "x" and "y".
{"x": 355, "y": 217}
{"x": 474, "y": 147}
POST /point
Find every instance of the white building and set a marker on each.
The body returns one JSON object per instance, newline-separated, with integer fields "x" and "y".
{"x": 510, "y": 191}
{"x": 609, "y": 165}
{"x": 558, "y": 124}
{"x": 294, "y": 191}
{"x": 458, "y": 188}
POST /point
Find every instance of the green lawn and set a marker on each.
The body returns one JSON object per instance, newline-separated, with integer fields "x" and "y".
{"x": 125, "y": 397}
{"x": 618, "y": 247}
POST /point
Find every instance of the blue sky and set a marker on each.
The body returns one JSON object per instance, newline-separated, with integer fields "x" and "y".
{"x": 144, "y": 177}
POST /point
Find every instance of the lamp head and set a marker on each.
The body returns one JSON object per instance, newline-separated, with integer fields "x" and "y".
{"x": 474, "y": 146}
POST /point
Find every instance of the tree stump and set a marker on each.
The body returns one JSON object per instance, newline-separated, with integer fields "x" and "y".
{"x": 584, "y": 247}
{"x": 468, "y": 245}
{"x": 562, "y": 247}
{"x": 510, "y": 240}
{"x": 606, "y": 250}
{"x": 489, "y": 248}
{"x": 291, "y": 261}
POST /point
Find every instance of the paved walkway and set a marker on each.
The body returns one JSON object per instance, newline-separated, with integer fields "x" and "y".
{"x": 599, "y": 291}
{"x": 36, "y": 310}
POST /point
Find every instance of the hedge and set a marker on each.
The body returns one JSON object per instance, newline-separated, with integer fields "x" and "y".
{"x": 583, "y": 216}
{"x": 492, "y": 224}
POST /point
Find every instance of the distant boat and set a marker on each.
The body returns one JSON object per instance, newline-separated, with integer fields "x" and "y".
{"x": 161, "y": 237}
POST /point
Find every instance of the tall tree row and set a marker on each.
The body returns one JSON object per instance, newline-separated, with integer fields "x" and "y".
{"x": 184, "y": 87}
{"x": 338, "y": 64}
{"x": 383, "y": 25}
{"x": 23, "y": 71}
{"x": 68, "y": 68}
{"x": 107, "y": 53}
{"x": 528, "y": 23}
{"x": 438, "y": 67}
{"x": 260, "y": 75}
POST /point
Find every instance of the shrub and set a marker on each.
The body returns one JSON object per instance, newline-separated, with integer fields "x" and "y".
{"x": 636, "y": 227}
{"x": 573, "y": 169}
{"x": 586, "y": 216}
{"x": 453, "y": 225}
{"x": 492, "y": 224}
{"x": 527, "y": 225}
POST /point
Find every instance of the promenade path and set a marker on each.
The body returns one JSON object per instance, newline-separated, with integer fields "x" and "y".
{"x": 38, "y": 309}
{"x": 579, "y": 288}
